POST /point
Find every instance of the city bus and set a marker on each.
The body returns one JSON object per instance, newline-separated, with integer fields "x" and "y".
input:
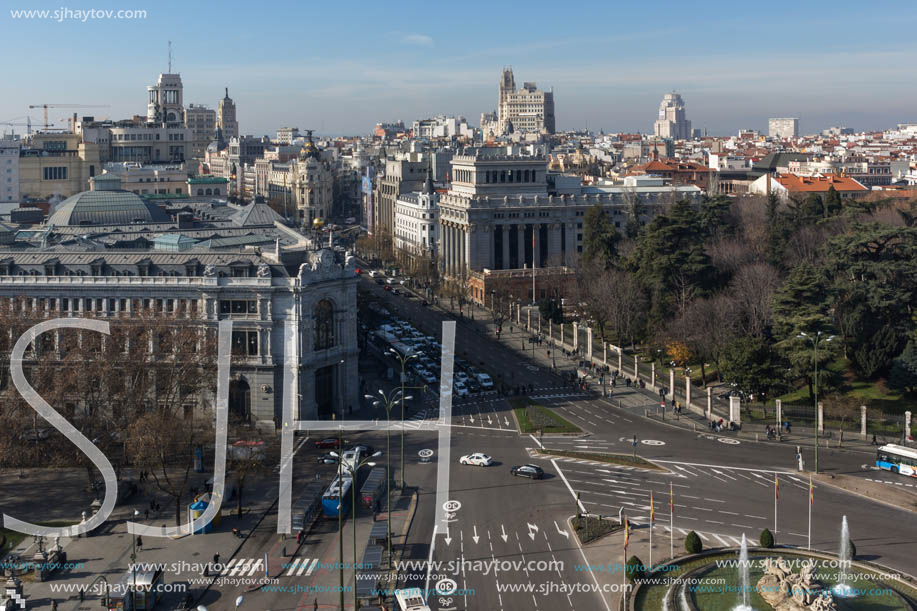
{"x": 337, "y": 497}
{"x": 897, "y": 459}
{"x": 410, "y": 600}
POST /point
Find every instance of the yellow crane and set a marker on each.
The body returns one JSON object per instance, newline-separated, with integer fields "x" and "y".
{"x": 45, "y": 107}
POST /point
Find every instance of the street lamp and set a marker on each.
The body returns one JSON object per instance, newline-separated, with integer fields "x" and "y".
{"x": 353, "y": 470}
{"x": 815, "y": 339}
{"x": 134, "y": 567}
{"x": 403, "y": 360}
{"x": 388, "y": 401}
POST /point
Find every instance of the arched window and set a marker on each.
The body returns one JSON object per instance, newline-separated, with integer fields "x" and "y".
{"x": 525, "y": 175}
{"x": 209, "y": 192}
{"x": 200, "y": 191}
{"x": 324, "y": 325}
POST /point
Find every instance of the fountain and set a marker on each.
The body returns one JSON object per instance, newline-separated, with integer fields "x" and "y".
{"x": 743, "y": 577}
{"x": 842, "y": 590}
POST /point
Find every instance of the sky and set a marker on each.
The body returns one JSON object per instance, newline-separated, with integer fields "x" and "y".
{"x": 341, "y": 67}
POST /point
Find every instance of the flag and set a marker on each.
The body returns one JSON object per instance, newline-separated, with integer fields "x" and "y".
{"x": 776, "y": 486}
{"x": 626, "y": 533}
{"x": 811, "y": 492}
{"x": 652, "y": 508}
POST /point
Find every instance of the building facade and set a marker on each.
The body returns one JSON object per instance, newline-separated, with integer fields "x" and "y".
{"x": 403, "y": 175}
{"x": 672, "y": 122}
{"x": 9, "y": 168}
{"x": 524, "y": 110}
{"x": 226, "y": 117}
{"x": 783, "y": 128}
{"x": 57, "y": 164}
{"x": 416, "y": 226}
{"x": 202, "y": 122}
{"x": 499, "y": 213}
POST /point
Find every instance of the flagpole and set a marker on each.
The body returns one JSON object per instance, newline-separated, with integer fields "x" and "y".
{"x": 652, "y": 519}
{"x": 776, "y": 496}
{"x": 811, "y": 500}
{"x": 671, "y": 522}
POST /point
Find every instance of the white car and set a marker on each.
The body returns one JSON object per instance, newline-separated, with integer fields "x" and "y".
{"x": 427, "y": 376}
{"x": 477, "y": 459}
{"x": 461, "y": 376}
{"x": 460, "y": 389}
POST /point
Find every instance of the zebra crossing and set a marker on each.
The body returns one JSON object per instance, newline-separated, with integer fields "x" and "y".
{"x": 242, "y": 567}
{"x": 301, "y": 567}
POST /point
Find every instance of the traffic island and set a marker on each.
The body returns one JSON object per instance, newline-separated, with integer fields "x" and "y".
{"x": 590, "y": 528}
{"x": 626, "y": 460}
{"x": 534, "y": 418}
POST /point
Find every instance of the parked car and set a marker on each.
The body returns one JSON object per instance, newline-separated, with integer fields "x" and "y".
{"x": 380, "y": 281}
{"x": 328, "y": 442}
{"x": 485, "y": 381}
{"x": 460, "y": 389}
{"x": 424, "y": 303}
{"x": 364, "y": 449}
{"x": 387, "y": 287}
{"x": 477, "y": 459}
{"x": 428, "y": 377}
{"x": 532, "y": 471}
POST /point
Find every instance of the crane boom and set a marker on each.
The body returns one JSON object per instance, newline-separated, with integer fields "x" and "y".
{"x": 45, "y": 107}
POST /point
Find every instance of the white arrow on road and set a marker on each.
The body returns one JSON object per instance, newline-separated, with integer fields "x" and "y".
{"x": 488, "y": 419}
{"x": 505, "y": 421}
{"x": 472, "y": 418}
{"x": 448, "y": 538}
{"x": 475, "y": 537}
{"x": 559, "y": 531}
{"x": 531, "y": 528}
{"x": 503, "y": 534}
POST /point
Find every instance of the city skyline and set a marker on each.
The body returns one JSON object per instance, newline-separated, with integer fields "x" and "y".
{"x": 311, "y": 76}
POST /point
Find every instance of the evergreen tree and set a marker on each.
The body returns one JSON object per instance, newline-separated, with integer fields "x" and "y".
{"x": 778, "y": 232}
{"x": 600, "y": 238}
{"x": 903, "y": 374}
{"x": 753, "y": 365}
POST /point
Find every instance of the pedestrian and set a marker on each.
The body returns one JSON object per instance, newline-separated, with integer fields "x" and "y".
{"x": 788, "y": 427}
{"x": 53, "y": 605}
{"x": 315, "y": 605}
{"x": 139, "y": 543}
{"x": 146, "y": 514}
{"x": 874, "y": 442}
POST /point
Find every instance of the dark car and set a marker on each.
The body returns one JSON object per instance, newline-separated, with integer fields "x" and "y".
{"x": 532, "y": 471}
{"x": 330, "y": 442}
{"x": 424, "y": 303}
{"x": 387, "y": 287}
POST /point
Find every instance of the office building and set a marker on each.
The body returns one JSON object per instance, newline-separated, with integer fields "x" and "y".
{"x": 226, "y": 117}
{"x": 783, "y": 128}
{"x": 202, "y": 122}
{"x": 672, "y": 122}
{"x": 9, "y": 168}
{"x": 524, "y": 110}
{"x": 416, "y": 225}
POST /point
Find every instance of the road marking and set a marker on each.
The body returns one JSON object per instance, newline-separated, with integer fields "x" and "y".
{"x": 721, "y": 540}
{"x": 743, "y": 526}
{"x": 694, "y": 464}
{"x": 714, "y": 522}
{"x": 724, "y": 474}
{"x": 573, "y": 494}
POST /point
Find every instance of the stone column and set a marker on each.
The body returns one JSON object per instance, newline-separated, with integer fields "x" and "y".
{"x": 553, "y": 241}
{"x": 735, "y": 410}
{"x": 505, "y": 230}
{"x": 528, "y": 319}
{"x": 444, "y": 239}
{"x": 779, "y": 405}
{"x": 466, "y": 249}
{"x": 672, "y": 383}
{"x": 605, "y": 354}
{"x": 575, "y": 335}
{"x": 688, "y": 392}
{"x": 550, "y": 329}
{"x": 709, "y": 402}
{"x": 907, "y": 425}
{"x": 589, "y": 344}
{"x": 561, "y": 334}
{"x": 621, "y": 360}
{"x": 536, "y": 237}
{"x": 820, "y": 417}
{"x": 520, "y": 245}
{"x": 636, "y": 367}
{"x": 539, "y": 323}
{"x": 653, "y": 375}
{"x": 863, "y": 422}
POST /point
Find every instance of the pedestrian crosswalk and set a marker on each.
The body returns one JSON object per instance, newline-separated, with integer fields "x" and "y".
{"x": 242, "y": 567}
{"x": 301, "y": 567}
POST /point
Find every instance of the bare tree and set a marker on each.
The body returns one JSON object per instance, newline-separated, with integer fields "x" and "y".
{"x": 249, "y": 455}
{"x": 753, "y": 287}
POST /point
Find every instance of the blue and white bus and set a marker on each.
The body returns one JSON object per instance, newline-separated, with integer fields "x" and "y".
{"x": 337, "y": 497}
{"x": 897, "y": 459}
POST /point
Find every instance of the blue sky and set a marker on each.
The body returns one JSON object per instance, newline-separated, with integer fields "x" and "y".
{"x": 340, "y": 67}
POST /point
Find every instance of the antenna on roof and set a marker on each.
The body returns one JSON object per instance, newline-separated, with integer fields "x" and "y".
{"x": 170, "y": 57}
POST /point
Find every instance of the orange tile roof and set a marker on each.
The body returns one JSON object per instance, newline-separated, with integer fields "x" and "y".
{"x": 818, "y": 184}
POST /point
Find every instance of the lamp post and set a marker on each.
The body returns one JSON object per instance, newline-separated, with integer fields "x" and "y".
{"x": 134, "y": 567}
{"x": 341, "y": 518}
{"x": 388, "y": 401}
{"x": 404, "y": 360}
{"x": 815, "y": 339}
{"x": 353, "y": 470}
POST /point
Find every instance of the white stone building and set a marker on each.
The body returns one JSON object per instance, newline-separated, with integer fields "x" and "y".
{"x": 672, "y": 122}
{"x": 783, "y": 127}
{"x": 524, "y": 110}
{"x": 416, "y": 226}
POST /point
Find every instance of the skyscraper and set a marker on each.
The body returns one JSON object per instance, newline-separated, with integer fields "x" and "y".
{"x": 226, "y": 117}
{"x": 672, "y": 122}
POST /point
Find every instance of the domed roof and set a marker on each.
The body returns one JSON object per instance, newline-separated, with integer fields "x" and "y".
{"x": 107, "y": 208}
{"x": 309, "y": 150}
{"x": 218, "y": 143}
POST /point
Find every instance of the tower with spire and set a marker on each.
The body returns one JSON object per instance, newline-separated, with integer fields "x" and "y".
{"x": 226, "y": 117}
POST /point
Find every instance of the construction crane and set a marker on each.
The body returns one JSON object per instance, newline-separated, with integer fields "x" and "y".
{"x": 45, "y": 107}
{"x": 27, "y": 124}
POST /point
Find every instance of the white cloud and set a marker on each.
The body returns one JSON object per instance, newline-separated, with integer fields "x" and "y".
{"x": 417, "y": 40}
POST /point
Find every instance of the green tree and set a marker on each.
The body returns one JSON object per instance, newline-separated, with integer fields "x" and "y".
{"x": 767, "y": 539}
{"x": 599, "y": 237}
{"x": 778, "y": 230}
{"x": 903, "y": 374}
{"x": 634, "y": 568}
{"x": 753, "y": 365}
{"x": 551, "y": 310}
{"x": 693, "y": 544}
{"x": 714, "y": 215}
{"x": 833, "y": 203}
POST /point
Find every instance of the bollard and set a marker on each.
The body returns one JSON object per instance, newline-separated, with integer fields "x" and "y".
{"x": 756, "y": 438}
{"x": 695, "y": 427}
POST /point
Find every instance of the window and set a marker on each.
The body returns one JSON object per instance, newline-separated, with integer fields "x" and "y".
{"x": 238, "y": 307}
{"x": 324, "y": 325}
{"x": 55, "y": 173}
{"x": 245, "y": 343}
